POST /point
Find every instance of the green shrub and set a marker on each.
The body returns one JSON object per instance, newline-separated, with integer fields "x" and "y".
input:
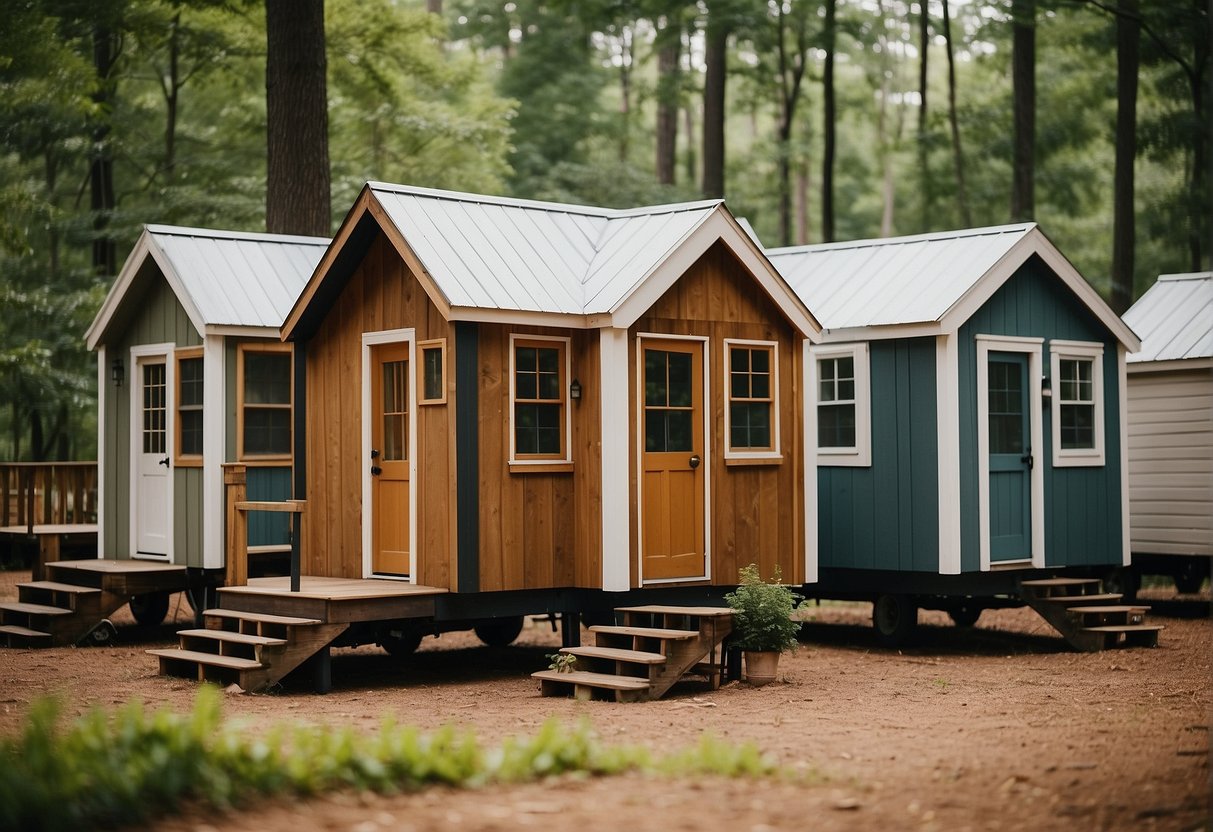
{"x": 762, "y": 612}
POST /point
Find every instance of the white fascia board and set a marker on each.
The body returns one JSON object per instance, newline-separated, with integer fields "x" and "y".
{"x": 518, "y": 317}
{"x": 214, "y": 437}
{"x": 239, "y": 331}
{"x": 1169, "y": 366}
{"x": 927, "y": 329}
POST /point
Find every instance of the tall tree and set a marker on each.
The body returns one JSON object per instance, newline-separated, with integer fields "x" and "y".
{"x": 715, "y": 48}
{"x": 958, "y": 160}
{"x": 669, "y": 83}
{"x": 106, "y": 49}
{"x": 829, "y": 121}
{"x": 1124, "y": 226}
{"x": 787, "y": 36}
{"x": 924, "y": 168}
{"x": 296, "y": 103}
{"x": 1023, "y": 80}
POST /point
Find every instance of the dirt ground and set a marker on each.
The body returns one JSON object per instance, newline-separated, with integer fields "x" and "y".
{"x": 999, "y": 727}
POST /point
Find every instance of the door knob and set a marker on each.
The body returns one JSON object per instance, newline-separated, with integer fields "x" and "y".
{"x": 376, "y": 470}
{"x": 374, "y": 453}
{"x": 695, "y": 460}
{"x": 163, "y": 462}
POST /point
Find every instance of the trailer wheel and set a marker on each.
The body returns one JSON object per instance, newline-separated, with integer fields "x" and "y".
{"x": 499, "y": 632}
{"x": 895, "y": 619}
{"x": 1189, "y": 577}
{"x": 149, "y": 609}
{"x": 965, "y": 615}
{"x": 400, "y": 642}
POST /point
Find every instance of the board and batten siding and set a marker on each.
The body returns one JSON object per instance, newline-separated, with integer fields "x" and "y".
{"x": 380, "y": 295}
{"x": 1082, "y": 511}
{"x": 1171, "y": 461}
{"x": 886, "y": 516}
{"x": 756, "y": 511}
{"x": 153, "y": 315}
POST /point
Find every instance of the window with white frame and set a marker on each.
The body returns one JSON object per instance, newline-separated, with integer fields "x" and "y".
{"x": 539, "y": 399}
{"x": 1076, "y": 370}
{"x": 839, "y": 378}
{"x": 752, "y": 382}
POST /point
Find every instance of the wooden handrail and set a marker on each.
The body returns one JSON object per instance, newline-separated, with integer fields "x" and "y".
{"x": 235, "y": 481}
{"x": 60, "y": 493}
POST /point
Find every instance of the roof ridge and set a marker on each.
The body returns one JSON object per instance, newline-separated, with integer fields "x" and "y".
{"x": 222, "y": 234}
{"x": 931, "y": 236}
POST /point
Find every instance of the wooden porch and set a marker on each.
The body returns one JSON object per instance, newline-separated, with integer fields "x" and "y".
{"x": 332, "y": 600}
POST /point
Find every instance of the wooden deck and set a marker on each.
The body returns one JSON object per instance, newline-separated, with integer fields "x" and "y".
{"x": 332, "y": 600}
{"x": 122, "y": 576}
{"x": 52, "y": 538}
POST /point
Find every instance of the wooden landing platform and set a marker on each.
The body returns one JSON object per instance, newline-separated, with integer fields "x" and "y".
{"x": 124, "y": 576}
{"x": 332, "y": 600}
{"x": 52, "y": 539}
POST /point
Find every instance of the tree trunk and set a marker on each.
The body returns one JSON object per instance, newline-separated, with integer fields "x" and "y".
{"x": 1128, "y": 32}
{"x": 433, "y": 6}
{"x": 715, "y": 56}
{"x": 688, "y": 124}
{"x": 1023, "y": 79}
{"x": 924, "y": 171}
{"x": 668, "y": 82}
{"x": 803, "y": 187}
{"x": 1199, "y": 183}
{"x": 828, "y": 126}
{"x": 958, "y": 159}
{"x": 297, "y": 170}
{"x": 101, "y": 163}
{"x": 625, "y": 91}
{"x": 172, "y": 97}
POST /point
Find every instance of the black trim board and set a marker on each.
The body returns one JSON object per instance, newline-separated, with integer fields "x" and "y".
{"x": 467, "y": 454}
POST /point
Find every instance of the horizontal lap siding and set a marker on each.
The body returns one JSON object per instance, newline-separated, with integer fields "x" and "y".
{"x": 886, "y": 516}
{"x": 757, "y": 511}
{"x": 1082, "y": 504}
{"x": 1171, "y": 462}
{"x": 381, "y": 295}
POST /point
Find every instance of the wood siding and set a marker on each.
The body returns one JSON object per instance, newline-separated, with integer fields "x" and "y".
{"x": 886, "y": 516}
{"x": 756, "y": 511}
{"x": 1171, "y": 462}
{"x": 380, "y": 295}
{"x": 1082, "y": 505}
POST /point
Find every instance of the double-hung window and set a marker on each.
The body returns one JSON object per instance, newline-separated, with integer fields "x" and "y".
{"x": 752, "y": 415}
{"x": 539, "y": 412}
{"x": 189, "y": 407}
{"x": 839, "y": 379}
{"x": 264, "y": 388}
{"x": 1076, "y": 370}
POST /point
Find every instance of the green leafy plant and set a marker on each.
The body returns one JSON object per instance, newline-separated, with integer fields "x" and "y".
{"x": 562, "y": 662}
{"x": 762, "y": 612}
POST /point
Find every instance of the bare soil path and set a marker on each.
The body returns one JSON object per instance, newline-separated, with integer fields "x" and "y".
{"x": 999, "y": 727}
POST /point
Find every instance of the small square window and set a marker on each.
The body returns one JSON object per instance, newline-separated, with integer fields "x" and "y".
{"x": 840, "y": 378}
{"x": 539, "y": 410}
{"x": 264, "y": 391}
{"x": 433, "y": 372}
{"x": 1078, "y": 410}
{"x": 189, "y": 406}
{"x": 751, "y": 414}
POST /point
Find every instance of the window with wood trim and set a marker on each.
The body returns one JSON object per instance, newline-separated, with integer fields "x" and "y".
{"x": 840, "y": 379}
{"x": 752, "y": 383}
{"x": 189, "y": 406}
{"x": 264, "y": 394}
{"x": 1077, "y": 386}
{"x": 539, "y": 409}
{"x": 432, "y": 388}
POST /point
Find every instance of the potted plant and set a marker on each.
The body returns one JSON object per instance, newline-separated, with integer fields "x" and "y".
{"x": 762, "y": 622}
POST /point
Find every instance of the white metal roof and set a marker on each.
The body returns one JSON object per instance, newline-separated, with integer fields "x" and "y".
{"x": 1174, "y": 318}
{"x": 223, "y": 279}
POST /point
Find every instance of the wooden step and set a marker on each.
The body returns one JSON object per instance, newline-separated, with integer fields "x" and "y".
{"x": 210, "y": 659}
{"x": 1125, "y": 628}
{"x": 584, "y": 685}
{"x": 55, "y": 586}
{"x": 1105, "y": 597}
{"x": 33, "y": 609}
{"x": 644, "y": 632}
{"x": 1044, "y": 583}
{"x": 15, "y": 636}
{"x": 617, "y": 654}
{"x": 1109, "y": 609}
{"x": 662, "y": 609}
{"x": 259, "y": 617}
{"x": 233, "y": 638}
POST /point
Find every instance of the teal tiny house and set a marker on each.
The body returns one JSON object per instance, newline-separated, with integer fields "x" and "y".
{"x": 967, "y": 415}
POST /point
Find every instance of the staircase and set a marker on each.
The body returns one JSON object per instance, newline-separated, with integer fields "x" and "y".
{"x": 73, "y": 604}
{"x": 1087, "y": 617}
{"x": 642, "y": 658}
{"x": 252, "y": 650}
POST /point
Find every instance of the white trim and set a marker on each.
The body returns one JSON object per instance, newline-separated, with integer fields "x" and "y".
{"x": 163, "y": 350}
{"x": 882, "y": 332}
{"x": 745, "y": 453}
{"x": 370, "y": 339}
{"x": 1126, "y": 558}
{"x": 947, "y": 425}
{"x": 102, "y": 380}
{"x": 860, "y": 456}
{"x": 237, "y": 331}
{"x": 615, "y": 488}
{"x": 1033, "y": 348}
{"x": 706, "y": 464}
{"x": 1081, "y": 351}
{"x": 214, "y": 437}
{"x": 1169, "y": 365}
{"x": 811, "y": 509}
{"x": 565, "y": 399}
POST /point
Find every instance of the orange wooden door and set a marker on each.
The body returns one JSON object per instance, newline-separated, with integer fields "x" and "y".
{"x": 673, "y": 486}
{"x": 390, "y": 417}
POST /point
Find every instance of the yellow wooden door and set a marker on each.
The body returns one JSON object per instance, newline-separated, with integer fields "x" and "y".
{"x": 389, "y": 462}
{"x": 673, "y": 486}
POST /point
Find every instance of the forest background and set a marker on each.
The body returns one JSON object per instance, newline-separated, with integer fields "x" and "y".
{"x": 818, "y": 121}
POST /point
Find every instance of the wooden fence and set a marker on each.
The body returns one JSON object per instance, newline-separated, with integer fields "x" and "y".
{"x": 47, "y": 493}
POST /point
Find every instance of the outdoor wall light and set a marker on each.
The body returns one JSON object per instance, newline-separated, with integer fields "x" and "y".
{"x": 117, "y": 371}
{"x": 575, "y": 389}
{"x": 1046, "y": 390}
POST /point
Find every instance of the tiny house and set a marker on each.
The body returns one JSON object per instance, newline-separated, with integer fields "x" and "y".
{"x": 966, "y": 421}
{"x": 1171, "y": 430}
{"x": 191, "y": 375}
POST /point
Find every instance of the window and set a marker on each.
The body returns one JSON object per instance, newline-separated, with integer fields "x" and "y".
{"x": 264, "y": 392}
{"x": 1077, "y": 388}
{"x": 839, "y": 376}
{"x": 433, "y": 372}
{"x": 189, "y": 407}
{"x": 539, "y": 412}
{"x": 752, "y": 417}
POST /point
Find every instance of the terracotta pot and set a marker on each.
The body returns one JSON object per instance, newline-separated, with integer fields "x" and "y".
{"x": 760, "y": 666}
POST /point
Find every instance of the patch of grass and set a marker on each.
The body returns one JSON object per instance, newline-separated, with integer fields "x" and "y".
{"x": 132, "y": 765}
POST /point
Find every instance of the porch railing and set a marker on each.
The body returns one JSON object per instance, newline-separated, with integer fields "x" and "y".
{"x": 235, "y": 482}
{"x": 47, "y": 493}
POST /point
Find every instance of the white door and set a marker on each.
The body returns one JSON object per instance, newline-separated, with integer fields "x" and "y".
{"x": 150, "y": 456}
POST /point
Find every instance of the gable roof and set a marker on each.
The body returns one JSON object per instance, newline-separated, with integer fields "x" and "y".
{"x": 1174, "y": 318}
{"x": 511, "y": 260}
{"x": 225, "y": 280}
{"x": 933, "y": 282}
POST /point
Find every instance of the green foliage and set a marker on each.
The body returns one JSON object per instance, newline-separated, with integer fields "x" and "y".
{"x": 562, "y": 662}
{"x": 125, "y": 769}
{"x": 762, "y": 612}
